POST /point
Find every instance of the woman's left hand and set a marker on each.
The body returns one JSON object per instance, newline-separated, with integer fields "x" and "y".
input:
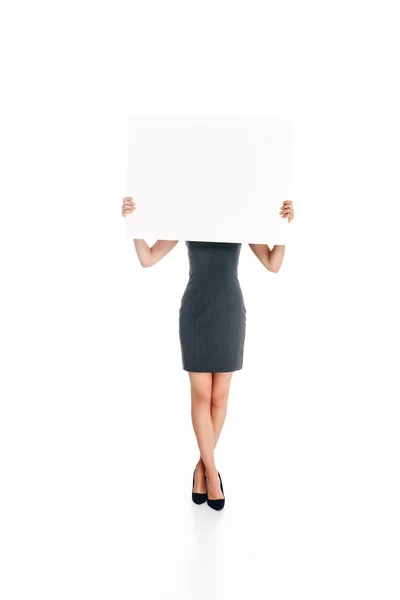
{"x": 287, "y": 210}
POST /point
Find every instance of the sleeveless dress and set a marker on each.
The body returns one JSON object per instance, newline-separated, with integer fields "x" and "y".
{"x": 212, "y": 315}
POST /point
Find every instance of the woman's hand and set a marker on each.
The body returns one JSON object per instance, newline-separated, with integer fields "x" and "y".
{"x": 147, "y": 256}
{"x": 128, "y": 206}
{"x": 287, "y": 210}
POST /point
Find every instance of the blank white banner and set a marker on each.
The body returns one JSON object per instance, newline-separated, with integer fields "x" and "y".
{"x": 209, "y": 178}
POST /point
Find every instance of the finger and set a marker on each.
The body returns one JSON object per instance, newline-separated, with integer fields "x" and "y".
{"x": 127, "y": 198}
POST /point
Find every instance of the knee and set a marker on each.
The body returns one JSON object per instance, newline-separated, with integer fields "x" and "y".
{"x": 219, "y": 400}
{"x": 201, "y": 398}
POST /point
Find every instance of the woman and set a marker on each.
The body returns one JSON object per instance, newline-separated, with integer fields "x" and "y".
{"x": 212, "y": 325}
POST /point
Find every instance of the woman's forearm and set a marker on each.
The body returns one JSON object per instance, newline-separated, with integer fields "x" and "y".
{"x": 275, "y": 258}
{"x": 144, "y": 253}
{"x": 149, "y": 256}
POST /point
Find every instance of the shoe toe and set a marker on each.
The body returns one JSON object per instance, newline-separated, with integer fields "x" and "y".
{"x": 199, "y": 498}
{"x": 216, "y": 504}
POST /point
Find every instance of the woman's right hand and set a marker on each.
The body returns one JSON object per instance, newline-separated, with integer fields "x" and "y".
{"x": 128, "y": 206}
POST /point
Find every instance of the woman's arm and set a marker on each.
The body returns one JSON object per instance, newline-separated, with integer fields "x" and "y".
{"x": 272, "y": 259}
{"x": 148, "y": 256}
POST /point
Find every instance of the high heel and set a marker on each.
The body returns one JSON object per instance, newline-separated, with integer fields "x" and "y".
{"x": 219, "y": 503}
{"x": 197, "y": 497}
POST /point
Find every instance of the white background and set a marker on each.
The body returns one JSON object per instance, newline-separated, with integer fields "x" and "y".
{"x": 96, "y": 446}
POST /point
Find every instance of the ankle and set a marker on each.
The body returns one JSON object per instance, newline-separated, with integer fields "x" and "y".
{"x": 212, "y": 473}
{"x": 200, "y": 468}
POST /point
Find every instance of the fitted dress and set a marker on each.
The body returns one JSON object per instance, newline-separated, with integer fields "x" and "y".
{"x": 212, "y": 315}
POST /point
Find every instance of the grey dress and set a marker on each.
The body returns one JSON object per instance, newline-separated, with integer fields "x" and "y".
{"x": 212, "y": 315}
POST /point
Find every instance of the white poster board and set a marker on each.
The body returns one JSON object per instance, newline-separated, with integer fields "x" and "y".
{"x": 208, "y": 178}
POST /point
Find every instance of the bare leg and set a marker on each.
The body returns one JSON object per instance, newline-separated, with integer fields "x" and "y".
{"x": 218, "y": 409}
{"x": 201, "y": 388}
{"x": 219, "y": 401}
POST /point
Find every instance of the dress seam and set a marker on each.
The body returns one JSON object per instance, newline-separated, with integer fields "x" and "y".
{"x": 194, "y": 323}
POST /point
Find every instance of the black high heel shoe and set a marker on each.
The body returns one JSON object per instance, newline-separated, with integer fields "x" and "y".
{"x": 197, "y": 497}
{"x": 219, "y": 503}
